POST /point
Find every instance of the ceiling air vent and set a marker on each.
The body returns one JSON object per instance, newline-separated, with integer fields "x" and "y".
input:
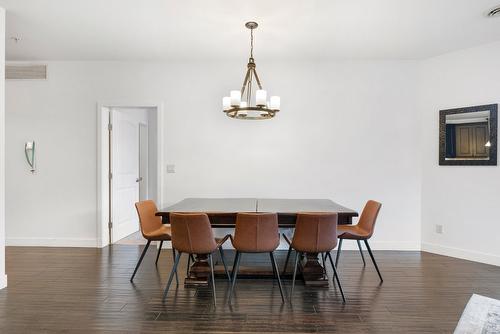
{"x": 494, "y": 12}
{"x": 25, "y": 72}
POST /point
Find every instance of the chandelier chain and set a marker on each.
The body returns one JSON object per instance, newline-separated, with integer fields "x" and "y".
{"x": 251, "y": 43}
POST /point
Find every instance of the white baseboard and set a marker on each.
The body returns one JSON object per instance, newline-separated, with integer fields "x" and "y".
{"x": 51, "y": 242}
{"x": 461, "y": 253}
{"x": 3, "y": 281}
{"x": 383, "y": 245}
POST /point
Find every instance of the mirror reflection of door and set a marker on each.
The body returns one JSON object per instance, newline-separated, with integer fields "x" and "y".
{"x": 467, "y": 135}
{"x": 471, "y": 140}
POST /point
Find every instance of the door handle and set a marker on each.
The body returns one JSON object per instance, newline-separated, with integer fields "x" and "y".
{"x": 139, "y": 179}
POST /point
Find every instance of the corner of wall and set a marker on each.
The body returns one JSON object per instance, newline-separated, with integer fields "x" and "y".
{"x": 3, "y": 277}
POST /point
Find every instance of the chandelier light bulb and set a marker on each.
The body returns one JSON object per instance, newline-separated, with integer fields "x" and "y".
{"x": 235, "y": 98}
{"x": 275, "y": 102}
{"x": 488, "y": 144}
{"x": 226, "y": 103}
{"x": 260, "y": 97}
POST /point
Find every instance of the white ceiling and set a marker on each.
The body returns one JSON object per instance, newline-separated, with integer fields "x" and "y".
{"x": 301, "y": 29}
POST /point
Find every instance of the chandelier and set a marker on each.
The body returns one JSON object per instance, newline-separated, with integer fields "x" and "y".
{"x": 239, "y": 104}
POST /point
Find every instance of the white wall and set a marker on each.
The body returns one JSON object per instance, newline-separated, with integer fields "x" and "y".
{"x": 3, "y": 277}
{"x": 347, "y": 131}
{"x": 464, "y": 199}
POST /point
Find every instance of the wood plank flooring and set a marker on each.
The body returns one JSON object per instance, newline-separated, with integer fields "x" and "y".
{"x": 84, "y": 290}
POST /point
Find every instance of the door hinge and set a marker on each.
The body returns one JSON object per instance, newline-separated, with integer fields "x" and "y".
{"x": 110, "y": 176}
{"x": 110, "y": 224}
{"x": 110, "y": 126}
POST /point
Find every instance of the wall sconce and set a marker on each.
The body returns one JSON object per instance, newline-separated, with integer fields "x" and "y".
{"x": 29, "y": 151}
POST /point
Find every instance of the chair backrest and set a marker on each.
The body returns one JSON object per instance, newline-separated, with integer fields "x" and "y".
{"x": 256, "y": 232}
{"x": 315, "y": 232}
{"x": 147, "y": 219}
{"x": 369, "y": 217}
{"x": 192, "y": 233}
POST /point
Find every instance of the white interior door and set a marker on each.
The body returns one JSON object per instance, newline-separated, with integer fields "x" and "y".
{"x": 125, "y": 169}
{"x": 143, "y": 162}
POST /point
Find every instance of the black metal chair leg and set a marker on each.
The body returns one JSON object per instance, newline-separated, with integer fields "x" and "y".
{"x": 324, "y": 263}
{"x": 277, "y": 273}
{"x": 336, "y": 277}
{"x": 338, "y": 252}
{"x": 297, "y": 255}
{"x": 361, "y": 252}
{"x": 236, "y": 265}
{"x": 176, "y": 276}
{"x": 159, "y": 251}
{"x": 373, "y": 260}
{"x": 174, "y": 271}
{"x": 221, "y": 251}
{"x": 140, "y": 260}
{"x": 287, "y": 258}
{"x": 210, "y": 260}
{"x": 188, "y": 265}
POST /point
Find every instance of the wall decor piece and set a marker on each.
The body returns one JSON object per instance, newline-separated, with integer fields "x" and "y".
{"x": 29, "y": 152}
{"x": 468, "y": 136}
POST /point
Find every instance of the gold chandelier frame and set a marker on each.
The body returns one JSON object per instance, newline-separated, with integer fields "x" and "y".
{"x": 257, "y": 112}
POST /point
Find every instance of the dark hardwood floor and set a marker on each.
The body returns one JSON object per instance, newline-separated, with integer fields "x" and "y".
{"x": 79, "y": 290}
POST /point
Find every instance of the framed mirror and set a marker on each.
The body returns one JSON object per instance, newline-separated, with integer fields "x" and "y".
{"x": 468, "y": 136}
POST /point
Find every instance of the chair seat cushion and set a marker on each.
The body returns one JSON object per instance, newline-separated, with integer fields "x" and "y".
{"x": 163, "y": 233}
{"x": 353, "y": 232}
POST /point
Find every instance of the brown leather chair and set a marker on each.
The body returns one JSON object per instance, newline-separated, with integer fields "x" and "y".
{"x": 152, "y": 229}
{"x": 315, "y": 233}
{"x": 256, "y": 233}
{"x": 361, "y": 232}
{"x": 192, "y": 234}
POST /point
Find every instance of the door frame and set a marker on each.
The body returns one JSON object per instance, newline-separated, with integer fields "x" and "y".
{"x": 144, "y": 125}
{"x": 103, "y": 155}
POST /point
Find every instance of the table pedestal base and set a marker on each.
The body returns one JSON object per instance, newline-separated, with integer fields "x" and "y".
{"x": 199, "y": 271}
{"x": 311, "y": 271}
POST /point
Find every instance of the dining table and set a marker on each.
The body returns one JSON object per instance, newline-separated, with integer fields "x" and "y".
{"x": 222, "y": 213}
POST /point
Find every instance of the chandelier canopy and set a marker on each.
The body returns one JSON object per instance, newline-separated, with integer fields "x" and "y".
{"x": 240, "y": 104}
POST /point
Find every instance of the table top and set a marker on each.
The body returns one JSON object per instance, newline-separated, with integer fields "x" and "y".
{"x": 292, "y": 206}
{"x": 213, "y": 205}
{"x": 235, "y": 205}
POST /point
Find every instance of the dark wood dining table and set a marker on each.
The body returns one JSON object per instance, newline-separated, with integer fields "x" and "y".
{"x": 222, "y": 214}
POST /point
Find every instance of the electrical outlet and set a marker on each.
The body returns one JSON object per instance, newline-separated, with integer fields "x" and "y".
{"x": 170, "y": 168}
{"x": 439, "y": 229}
